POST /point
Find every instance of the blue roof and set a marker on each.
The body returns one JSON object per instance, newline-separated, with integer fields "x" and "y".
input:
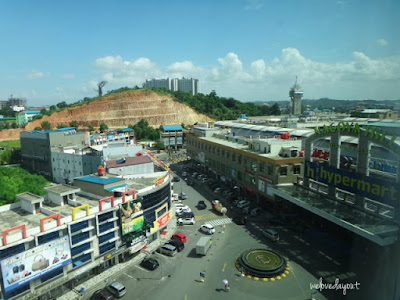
{"x": 384, "y": 124}
{"x": 125, "y": 129}
{"x": 31, "y": 111}
{"x": 54, "y": 130}
{"x": 100, "y": 180}
{"x": 115, "y": 187}
{"x": 171, "y": 127}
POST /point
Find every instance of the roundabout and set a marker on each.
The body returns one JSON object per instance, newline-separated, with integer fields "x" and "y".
{"x": 262, "y": 263}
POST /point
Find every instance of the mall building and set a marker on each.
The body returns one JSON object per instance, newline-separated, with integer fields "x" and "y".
{"x": 53, "y": 243}
{"x": 344, "y": 173}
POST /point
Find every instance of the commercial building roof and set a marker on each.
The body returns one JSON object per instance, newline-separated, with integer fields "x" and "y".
{"x": 137, "y": 160}
{"x": 171, "y": 127}
{"x": 99, "y": 180}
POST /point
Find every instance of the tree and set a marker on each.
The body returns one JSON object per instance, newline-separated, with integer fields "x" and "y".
{"x": 61, "y": 126}
{"x": 275, "y": 110}
{"x": 46, "y": 125}
{"x": 74, "y": 124}
{"x": 7, "y": 112}
{"x": 103, "y": 127}
{"x": 90, "y": 128}
{"x": 38, "y": 128}
{"x": 53, "y": 107}
{"x": 61, "y": 104}
{"x": 100, "y": 86}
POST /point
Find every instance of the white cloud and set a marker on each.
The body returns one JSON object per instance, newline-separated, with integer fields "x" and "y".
{"x": 35, "y": 74}
{"x": 360, "y": 78}
{"x": 382, "y": 42}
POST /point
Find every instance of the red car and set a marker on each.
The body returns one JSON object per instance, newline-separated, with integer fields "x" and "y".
{"x": 179, "y": 237}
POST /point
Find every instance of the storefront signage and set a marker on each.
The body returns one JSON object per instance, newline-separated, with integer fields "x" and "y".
{"x": 21, "y": 268}
{"x": 383, "y": 167}
{"x": 162, "y": 221}
{"x": 371, "y": 187}
{"x": 159, "y": 180}
{"x": 372, "y": 132}
{"x": 131, "y": 216}
{"x": 137, "y": 244}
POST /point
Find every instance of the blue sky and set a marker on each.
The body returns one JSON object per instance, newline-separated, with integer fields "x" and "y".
{"x": 55, "y": 51}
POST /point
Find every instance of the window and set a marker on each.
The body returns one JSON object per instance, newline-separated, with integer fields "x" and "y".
{"x": 233, "y": 157}
{"x": 106, "y": 247}
{"x": 80, "y": 249}
{"x": 283, "y": 170}
{"x": 254, "y": 166}
{"x": 262, "y": 167}
{"x": 48, "y": 237}
{"x": 270, "y": 170}
{"x": 79, "y": 237}
{"x": 296, "y": 169}
{"x": 239, "y": 159}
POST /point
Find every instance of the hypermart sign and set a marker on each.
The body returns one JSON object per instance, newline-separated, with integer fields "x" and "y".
{"x": 373, "y": 188}
{"x": 21, "y": 268}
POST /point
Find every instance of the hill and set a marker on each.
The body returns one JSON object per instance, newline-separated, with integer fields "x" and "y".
{"x": 119, "y": 110}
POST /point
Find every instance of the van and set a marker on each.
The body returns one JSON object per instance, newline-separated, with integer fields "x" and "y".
{"x": 271, "y": 234}
{"x": 168, "y": 250}
{"x": 117, "y": 289}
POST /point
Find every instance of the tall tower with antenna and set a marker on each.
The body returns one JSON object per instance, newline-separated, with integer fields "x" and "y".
{"x": 295, "y": 95}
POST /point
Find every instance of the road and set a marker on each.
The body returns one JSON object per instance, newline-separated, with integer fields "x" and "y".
{"x": 179, "y": 277}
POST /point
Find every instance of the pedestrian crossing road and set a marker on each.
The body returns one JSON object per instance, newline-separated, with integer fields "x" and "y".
{"x": 218, "y": 222}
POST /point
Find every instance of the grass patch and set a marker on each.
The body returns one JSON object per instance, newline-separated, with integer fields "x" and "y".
{"x": 11, "y": 144}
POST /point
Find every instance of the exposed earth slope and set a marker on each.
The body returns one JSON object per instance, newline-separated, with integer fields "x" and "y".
{"x": 118, "y": 111}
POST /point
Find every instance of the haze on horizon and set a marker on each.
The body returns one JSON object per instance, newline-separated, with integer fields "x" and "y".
{"x": 249, "y": 50}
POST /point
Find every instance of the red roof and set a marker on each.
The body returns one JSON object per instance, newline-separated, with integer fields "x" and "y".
{"x": 129, "y": 161}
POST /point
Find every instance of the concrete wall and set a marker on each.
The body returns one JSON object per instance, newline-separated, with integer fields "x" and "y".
{"x": 133, "y": 169}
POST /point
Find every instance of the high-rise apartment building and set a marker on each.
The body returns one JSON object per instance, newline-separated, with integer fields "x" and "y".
{"x": 187, "y": 85}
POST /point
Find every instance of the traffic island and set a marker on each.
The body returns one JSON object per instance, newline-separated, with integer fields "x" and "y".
{"x": 262, "y": 264}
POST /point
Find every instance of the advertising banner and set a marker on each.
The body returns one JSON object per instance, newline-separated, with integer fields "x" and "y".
{"x": 371, "y": 187}
{"x": 132, "y": 216}
{"x": 21, "y": 268}
{"x": 162, "y": 221}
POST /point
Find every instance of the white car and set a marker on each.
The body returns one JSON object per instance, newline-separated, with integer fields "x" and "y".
{"x": 207, "y": 228}
{"x": 180, "y": 206}
{"x": 186, "y": 221}
{"x": 243, "y": 203}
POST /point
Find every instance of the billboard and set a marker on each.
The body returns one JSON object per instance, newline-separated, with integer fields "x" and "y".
{"x": 23, "y": 267}
{"x": 383, "y": 191}
{"x": 131, "y": 216}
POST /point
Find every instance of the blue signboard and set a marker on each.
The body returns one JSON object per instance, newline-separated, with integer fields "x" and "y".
{"x": 21, "y": 268}
{"x": 374, "y": 188}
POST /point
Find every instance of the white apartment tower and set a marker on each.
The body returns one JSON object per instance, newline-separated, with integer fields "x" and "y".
{"x": 187, "y": 85}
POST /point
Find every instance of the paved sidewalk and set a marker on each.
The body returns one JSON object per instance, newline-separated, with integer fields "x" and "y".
{"x": 99, "y": 281}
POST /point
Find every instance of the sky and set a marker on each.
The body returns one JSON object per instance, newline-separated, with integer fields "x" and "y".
{"x": 251, "y": 50}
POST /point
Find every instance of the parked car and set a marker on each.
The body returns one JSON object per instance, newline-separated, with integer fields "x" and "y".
{"x": 207, "y": 228}
{"x": 176, "y": 179}
{"x": 185, "y": 214}
{"x": 242, "y": 204}
{"x": 190, "y": 182}
{"x": 271, "y": 234}
{"x": 117, "y": 289}
{"x": 201, "y": 205}
{"x": 177, "y": 244}
{"x": 217, "y": 190}
{"x": 186, "y": 221}
{"x": 179, "y": 237}
{"x": 102, "y": 294}
{"x": 149, "y": 263}
{"x": 248, "y": 209}
{"x": 167, "y": 250}
{"x": 184, "y": 174}
{"x": 255, "y": 212}
{"x": 180, "y": 206}
{"x": 183, "y": 196}
{"x": 240, "y": 220}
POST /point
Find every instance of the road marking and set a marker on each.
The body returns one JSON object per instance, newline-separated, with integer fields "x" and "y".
{"x": 220, "y": 222}
{"x": 207, "y": 216}
{"x": 131, "y": 277}
{"x": 223, "y": 269}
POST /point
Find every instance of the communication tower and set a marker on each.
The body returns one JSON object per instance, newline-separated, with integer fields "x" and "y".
{"x": 295, "y": 95}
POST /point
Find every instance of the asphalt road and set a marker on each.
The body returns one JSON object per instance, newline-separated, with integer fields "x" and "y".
{"x": 179, "y": 277}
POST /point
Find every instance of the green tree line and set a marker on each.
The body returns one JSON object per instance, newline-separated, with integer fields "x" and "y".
{"x": 15, "y": 180}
